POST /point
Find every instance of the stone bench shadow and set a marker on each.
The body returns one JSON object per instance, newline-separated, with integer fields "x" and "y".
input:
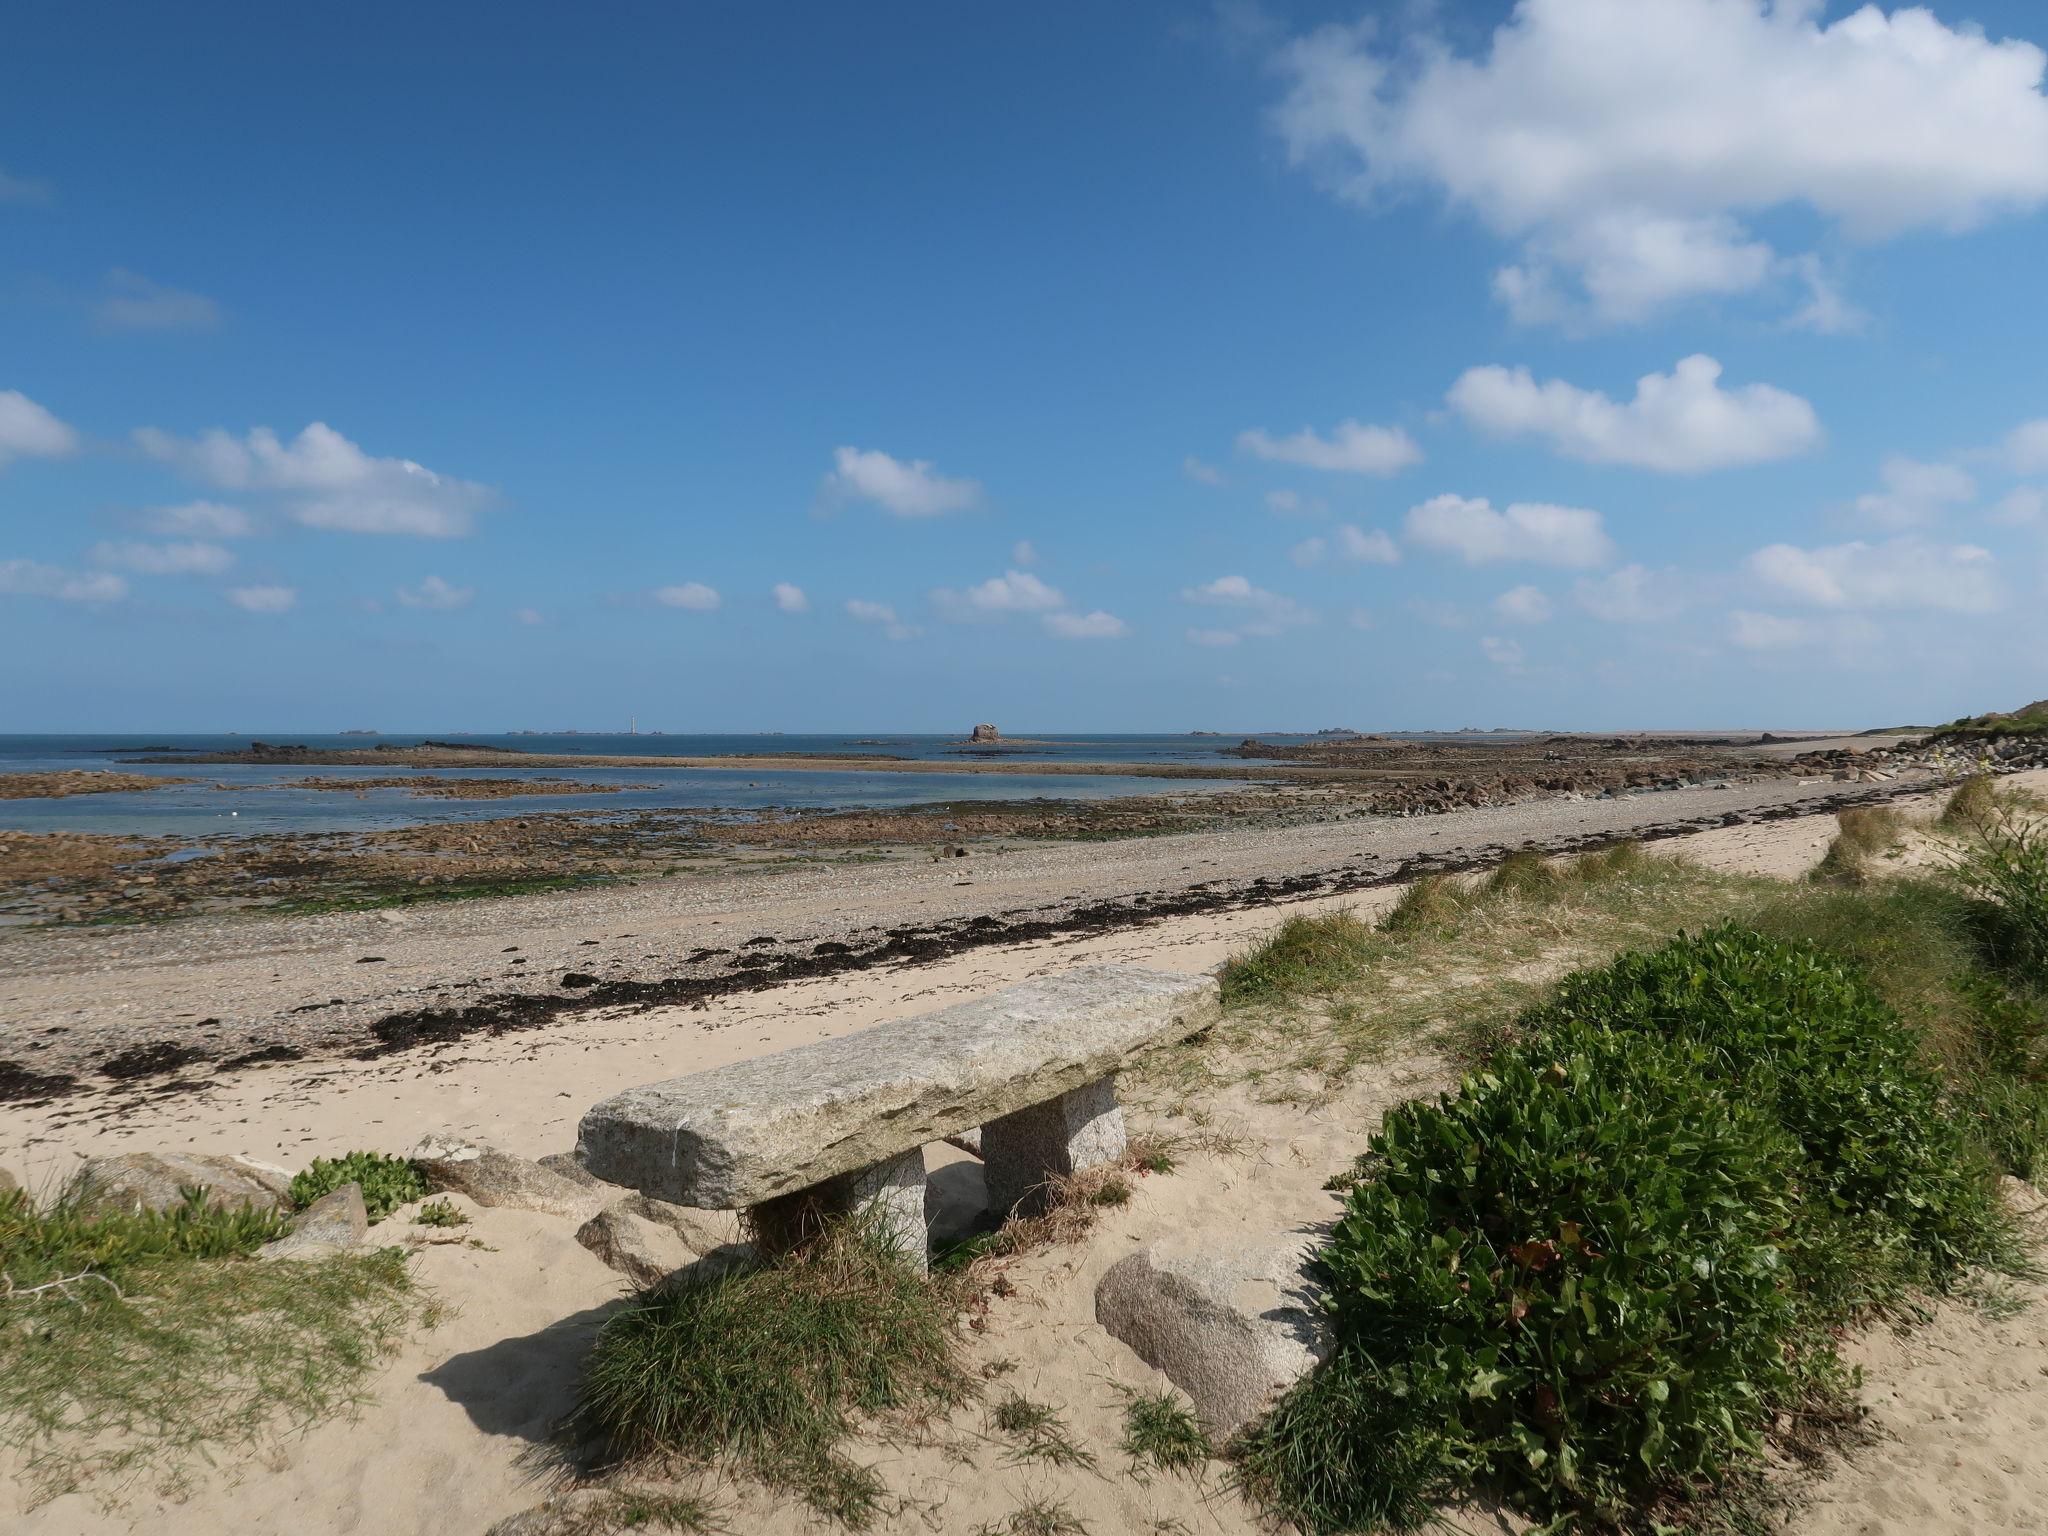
{"x": 521, "y": 1387}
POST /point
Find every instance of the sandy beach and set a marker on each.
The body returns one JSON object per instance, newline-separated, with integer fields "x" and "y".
{"x": 1959, "y": 1405}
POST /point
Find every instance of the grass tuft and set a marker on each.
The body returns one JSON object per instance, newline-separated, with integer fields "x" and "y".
{"x": 1041, "y": 1517}
{"x": 769, "y": 1368}
{"x": 1305, "y": 956}
{"x": 1867, "y": 832}
{"x": 156, "y": 1342}
{"x": 1036, "y": 1432}
{"x": 1430, "y": 903}
{"x": 1162, "y": 1433}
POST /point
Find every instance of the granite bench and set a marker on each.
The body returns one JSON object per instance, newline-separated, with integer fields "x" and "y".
{"x": 842, "y": 1124}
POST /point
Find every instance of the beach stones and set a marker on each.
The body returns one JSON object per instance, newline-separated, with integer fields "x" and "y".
{"x": 157, "y": 1181}
{"x": 1231, "y": 1326}
{"x": 332, "y": 1224}
{"x": 740, "y": 1135}
{"x": 648, "y": 1240}
{"x": 490, "y": 1177}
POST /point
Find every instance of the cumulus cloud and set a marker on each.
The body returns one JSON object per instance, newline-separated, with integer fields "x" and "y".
{"x": 902, "y": 488}
{"x": 22, "y": 189}
{"x": 2020, "y": 507}
{"x": 198, "y": 519}
{"x": 1522, "y": 605}
{"x": 1023, "y": 552}
{"x": 1899, "y": 573}
{"x": 691, "y": 595}
{"x": 1632, "y": 595}
{"x": 435, "y": 596}
{"x": 27, "y": 431}
{"x": 1202, "y": 474}
{"x": 882, "y": 615}
{"x": 326, "y": 481}
{"x": 1266, "y": 613}
{"x": 1086, "y": 626}
{"x": 1752, "y": 631}
{"x": 132, "y": 302}
{"x": 1505, "y": 654}
{"x": 1353, "y": 448}
{"x": 1370, "y": 546}
{"x": 1915, "y": 493}
{"x": 264, "y": 599}
{"x": 1011, "y": 592}
{"x": 1680, "y": 422}
{"x": 27, "y": 578}
{"x": 2026, "y": 446}
{"x": 1307, "y": 553}
{"x": 789, "y": 598}
{"x": 1534, "y": 532}
{"x": 194, "y": 559}
{"x": 1621, "y": 145}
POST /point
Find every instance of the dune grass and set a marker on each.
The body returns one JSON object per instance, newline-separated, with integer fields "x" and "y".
{"x": 768, "y": 1369}
{"x": 1161, "y": 1434}
{"x": 1865, "y": 833}
{"x": 144, "y": 1345}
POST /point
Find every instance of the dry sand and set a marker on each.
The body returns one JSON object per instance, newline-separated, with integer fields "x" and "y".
{"x": 450, "y": 1441}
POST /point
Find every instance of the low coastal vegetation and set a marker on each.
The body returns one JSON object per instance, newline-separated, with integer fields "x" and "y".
{"x": 139, "y": 1343}
{"x": 386, "y": 1182}
{"x": 1601, "y": 1276}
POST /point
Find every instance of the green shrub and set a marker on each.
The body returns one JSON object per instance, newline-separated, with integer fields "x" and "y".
{"x": 2005, "y": 871}
{"x": 1566, "y": 1282}
{"x": 767, "y": 1367}
{"x": 1800, "y": 1034}
{"x": 1304, "y": 956}
{"x": 388, "y": 1182}
{"x": 439, "y": 1213}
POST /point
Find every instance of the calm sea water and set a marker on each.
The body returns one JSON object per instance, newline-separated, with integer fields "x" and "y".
{"x": 231, "y": 799}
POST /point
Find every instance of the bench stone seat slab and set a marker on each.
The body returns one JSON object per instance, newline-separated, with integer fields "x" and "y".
{"x": 739, "y": 1135}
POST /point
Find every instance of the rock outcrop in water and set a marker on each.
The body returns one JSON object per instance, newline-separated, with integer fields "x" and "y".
{"x": 985, "y": 733}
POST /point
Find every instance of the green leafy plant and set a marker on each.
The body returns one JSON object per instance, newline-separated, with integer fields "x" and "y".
{"x": 439, "y": 1213}
{"x": 387, "y": 1182}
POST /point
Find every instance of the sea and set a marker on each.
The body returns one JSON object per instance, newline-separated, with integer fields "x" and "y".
{"x": 241, "y": 799}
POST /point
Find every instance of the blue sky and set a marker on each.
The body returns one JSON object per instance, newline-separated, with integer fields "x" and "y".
{"x": 1073, "y": 366}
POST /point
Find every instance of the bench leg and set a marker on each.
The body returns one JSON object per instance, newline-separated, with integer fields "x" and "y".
{"x": 895, "y": 1189}
{"x": 1077, "y": 1130}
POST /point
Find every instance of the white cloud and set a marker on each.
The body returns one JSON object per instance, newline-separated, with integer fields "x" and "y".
{"x": 1827, "y": 310}
{"x": 1505, "y": 654}
{"x": 1532, "y": 531}
{"x": 2026, "y": 446}
{"x": 1900, "y": 573}
{"x": 1522, "y": 605}
{"x": 132, "y": 302}
{"x": 691, "y": 595}
{"x": 435, "y": 596}
{"x": 27, "y": 578}
{"x": 21, "y": 189}
{"x": 1204, "y": 474}
{"x": 1846, "y": 635}
{"x": 1285, "y": 503}
{"x": 198, "y": 519}
{"x": 1622, "y": 144}
{"x": 1370, "y": 545}
{"x": 2021, "y": 507}
{"x": 1269, "y": 612}
{"x": 903, "y": 488}
{"x": 325, "y": 480}
{"x": 1359, "y": 618}
{"x": 532, "y": 618}
{"x": 1215, "y": 637}
{"x": 1011, "y": 592}
{"x": 881, "y": 614}
{"x": 1023, "y": 552}
{"x": 1307, "y": 552}
{"x": 789, "y": 598}
{"x": 264, "y": 599}
{"x": 27, "y": 431}
{"x": 1631, "y": 595}
{"x": 1353, "y": 448}
{"x": 1086, "y": 626}
{"x": 1915, "y": 493}
{"x": 164, "y": 559}
{"x": 1680, "y": 422}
